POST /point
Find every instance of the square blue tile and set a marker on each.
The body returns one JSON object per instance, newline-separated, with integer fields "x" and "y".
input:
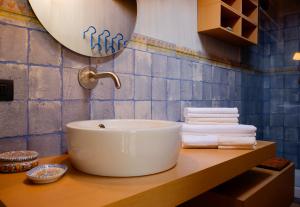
{"x": 207, "y": 73}
{"x": 142, "y": 88}
{"x": 292, "y": 81}
{"x": 173, "y": 70}
{"x": 291, "y": 134}
{"x": 159, "y": 65}
{"x": 186, "y": 70}
{"x": 276, "y": 120}
{"x": 197, "y": 90}
{"x": 216, "y": 74}
{"x": 159, "y": 89}
{"x": 159, "y": 110}
{"x": 186, "y": 90}
{"x": 173, "y": 90}
{"x": 174, "y": 110}
{"x": 207, "y": 91}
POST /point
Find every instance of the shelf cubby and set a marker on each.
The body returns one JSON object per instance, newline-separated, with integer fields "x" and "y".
{"x": 235, "y": 4}
{"x": 250, "y": 10}
{"x": 229, "y": 19}
{"x": 249, "y": 30}
{"x": 234, "y": 21}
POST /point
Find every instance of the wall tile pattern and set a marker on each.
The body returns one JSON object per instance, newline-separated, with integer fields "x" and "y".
{"x": 278, "y": 41}
{"x": 154, "y": 86}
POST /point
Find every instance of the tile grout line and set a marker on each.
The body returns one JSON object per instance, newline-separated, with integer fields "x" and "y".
{"x": 61, "y": 99}
{"x": 28, "y": 88}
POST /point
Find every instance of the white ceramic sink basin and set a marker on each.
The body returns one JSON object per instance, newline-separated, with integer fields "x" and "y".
{"x": 123, "y": 148}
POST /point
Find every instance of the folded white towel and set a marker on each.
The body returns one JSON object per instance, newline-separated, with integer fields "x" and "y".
{"x": 216, "y": 129}
{"x": 210, "y": 123}
{"x": 191, "y": 115}
{"x": 249, "y": 147}
{"x": 195, "y": 141}
{"x": 219, "y": 134}
{"x": 216, "y": 120}
{"x": 209, "y": 141}
{"x": 236, "y": 141}
{"x": 210, "y": 110}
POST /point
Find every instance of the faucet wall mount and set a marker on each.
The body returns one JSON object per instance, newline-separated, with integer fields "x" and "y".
{"x": 88, "y": 78}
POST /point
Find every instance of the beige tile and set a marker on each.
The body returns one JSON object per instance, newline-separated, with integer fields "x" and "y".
{"x": 44, "y": 49}
{"x": 159, "y": 65}
{"x": 75, "y": 111}
{"x": 103, "y": 63}
{"x": 124, "y": 109}
{"x": 13, "y": 118}
{"x": 71, "y": 86}
{"x": 44, "y": 83}
{"x": 44, "y": 117}
{"x": 45, "y": 145}
{"x": 104, "y": 89}
{"x": 13, "y": 44}
{"x": 124, "y": 61}
{"x": 142, "y": 109}
{"x": 126, "y": 92}
{"x": 12, "y": 144}
{"x": 74, "y": 60}
{"x": 102, "y": 110}
{"x": 142, "y": 63}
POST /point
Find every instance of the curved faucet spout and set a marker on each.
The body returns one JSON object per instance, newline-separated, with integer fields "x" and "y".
{"x": 111, "y": 75}
{"x": 88, "y": 77}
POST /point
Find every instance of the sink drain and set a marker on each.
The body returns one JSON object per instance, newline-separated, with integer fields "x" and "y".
{"x": 101, "y": 126}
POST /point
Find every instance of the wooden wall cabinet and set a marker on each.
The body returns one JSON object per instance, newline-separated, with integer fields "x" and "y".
{"x": 235, "y": 21}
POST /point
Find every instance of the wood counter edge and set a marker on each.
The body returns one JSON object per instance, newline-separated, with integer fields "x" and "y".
{"x": 176, "y": 192}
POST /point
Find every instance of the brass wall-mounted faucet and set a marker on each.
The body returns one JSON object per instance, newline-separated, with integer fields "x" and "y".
{"x": 88, "y": 77}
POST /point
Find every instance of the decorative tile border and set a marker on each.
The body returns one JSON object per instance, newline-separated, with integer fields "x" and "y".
{"x": 20, "y": 7}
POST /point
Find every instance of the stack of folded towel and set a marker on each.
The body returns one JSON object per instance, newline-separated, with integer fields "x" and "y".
{"x": 216, "y": 128}
{"x": 211, "y": 116}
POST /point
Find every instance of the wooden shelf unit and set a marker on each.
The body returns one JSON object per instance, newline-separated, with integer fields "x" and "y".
{"x": 235, "y": 21}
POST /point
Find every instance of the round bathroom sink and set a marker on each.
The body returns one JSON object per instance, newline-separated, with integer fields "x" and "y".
{"x": 123, "y": 148}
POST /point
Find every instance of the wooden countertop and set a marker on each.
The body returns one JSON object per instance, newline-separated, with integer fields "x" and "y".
{"x": 197, "y": 171}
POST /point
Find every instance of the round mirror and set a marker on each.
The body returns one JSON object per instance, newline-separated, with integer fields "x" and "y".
{"x": 93, "y": 28}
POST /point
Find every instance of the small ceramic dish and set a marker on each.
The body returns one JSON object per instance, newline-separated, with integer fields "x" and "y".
{"x": 14, "y": 167}
{"x": 18, "y": 156}
{"x": 46, "y": 173}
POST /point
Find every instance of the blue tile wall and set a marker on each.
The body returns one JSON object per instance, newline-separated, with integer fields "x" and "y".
{"x": 280, "y": 79}
{"x": 154, "y": 86}
{"x": 280, "y": 75}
